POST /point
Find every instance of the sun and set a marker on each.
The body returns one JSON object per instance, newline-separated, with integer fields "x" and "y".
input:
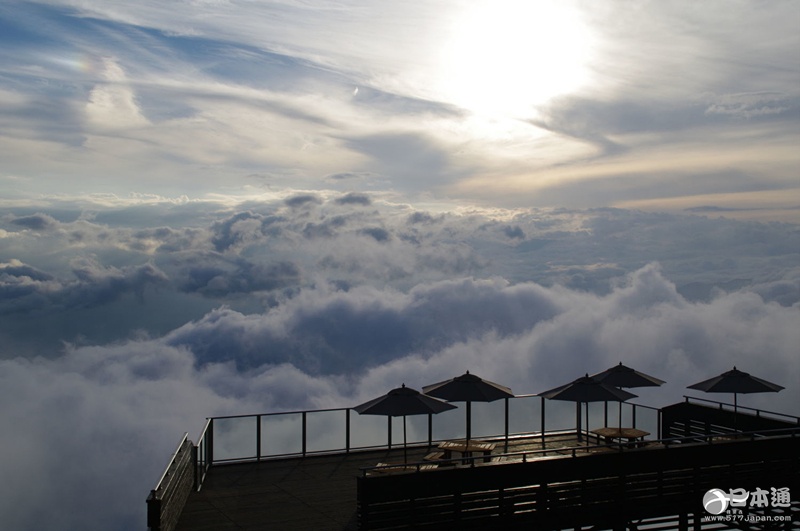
{"x": 505, "y": 57}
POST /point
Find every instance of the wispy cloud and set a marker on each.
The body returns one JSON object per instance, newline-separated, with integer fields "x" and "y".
{"x": 214, "y": 92}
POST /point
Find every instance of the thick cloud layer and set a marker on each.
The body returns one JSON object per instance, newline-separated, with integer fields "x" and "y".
{"x": 103, "y": 419}
{"x": 125, "y": 325}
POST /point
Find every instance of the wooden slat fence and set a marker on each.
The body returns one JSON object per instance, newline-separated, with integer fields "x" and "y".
{"x": 166, "y": 501}
{"x": 605, "y": 490}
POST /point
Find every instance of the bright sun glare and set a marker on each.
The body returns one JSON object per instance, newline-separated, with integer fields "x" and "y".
{"x": 504, "y": 57}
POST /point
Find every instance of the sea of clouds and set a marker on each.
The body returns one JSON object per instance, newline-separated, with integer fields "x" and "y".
{"x": 127, "y": 323}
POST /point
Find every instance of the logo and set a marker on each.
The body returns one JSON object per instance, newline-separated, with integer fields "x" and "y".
{"x": 739, "y": 504}
{"x": 715, "y": 501}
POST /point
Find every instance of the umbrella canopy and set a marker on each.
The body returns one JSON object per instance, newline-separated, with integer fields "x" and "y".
{"x": 403, "y": 401}
{"x": 622, "y": 376}
{"x": 736, "y": 381}
{"x": 586, "y": 389}
{"x": 468, "y": 388}
{"x": 400, "y": 402}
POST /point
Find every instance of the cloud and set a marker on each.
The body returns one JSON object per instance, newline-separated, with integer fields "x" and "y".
{"x": 246, "y": 227}
{"x": 26, "y": 288}
{"x": 35, "y": 221}
{"x": 751, "y": 105}
{"x": 145, "y": 99}
{"x": 112, "y": 105}
{"x": 406, "y": 159}
{"x": 116, "y": 407}
{"x": 354, "y": 198}
{"x": 203, "y": 217}
{"x": 217, "y": 277}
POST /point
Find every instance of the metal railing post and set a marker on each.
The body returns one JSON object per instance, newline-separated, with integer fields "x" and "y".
{"x": 506, "y": 419}
{"x": 196, "y": 467}
{"x": 542, "y": 421}
{"x": 430, "y": 430}
{"x": 210, "y": 443}
{"x": 658, "y": 425}
{"x": 347, "y": 431}
{"x": 258, "y": 437}
{"x": 305, "y": 434}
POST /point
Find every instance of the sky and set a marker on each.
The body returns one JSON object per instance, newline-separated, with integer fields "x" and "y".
{"x": 217, "y": 207}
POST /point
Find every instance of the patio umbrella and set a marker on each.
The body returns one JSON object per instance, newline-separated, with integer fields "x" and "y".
{"x": 622, "y": 376}
{"x": 586, "y": 389}
{"x": 400, "y": 402}
{"x": 468, "y": 388}
{"x": 736, "y": 381}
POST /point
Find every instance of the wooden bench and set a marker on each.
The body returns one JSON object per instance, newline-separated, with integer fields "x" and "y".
{"x": 395, "y": 468}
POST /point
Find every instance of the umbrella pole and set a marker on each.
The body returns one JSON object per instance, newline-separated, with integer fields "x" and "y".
{"x": 543, "y": 423}
{"x": 469, "y": 421}
{"x": 405, "y": 445}
{"x": 587, "y": 416}
{"x": 735, "y": 412}
{"x": 578, "y": 419}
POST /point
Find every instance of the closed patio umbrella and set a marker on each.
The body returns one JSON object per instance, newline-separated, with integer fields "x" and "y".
{"x": 468, "y": 388}
{"x": 400, "y": 402}
{"x": 736, "y": 381}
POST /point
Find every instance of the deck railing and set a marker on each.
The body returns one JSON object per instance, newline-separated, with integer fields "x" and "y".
{"x": 603, "y": 490}
{"x": 241, "y": 438}
{"x": 254, "y": 437}
{"x": 757, "y": 412}
{"x": 525, "y": 456}
{"x": 166, "y": 500}
{"x": 247, "y": 438}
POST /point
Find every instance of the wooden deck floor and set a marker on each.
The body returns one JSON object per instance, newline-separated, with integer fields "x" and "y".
{"x": 311, "y": 493}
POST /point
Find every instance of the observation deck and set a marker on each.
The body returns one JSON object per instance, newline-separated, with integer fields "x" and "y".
{"x": 335, "y": 470}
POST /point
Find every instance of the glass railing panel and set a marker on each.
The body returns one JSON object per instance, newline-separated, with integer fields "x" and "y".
{"x": 281, "y": 434}
{"x": 234, "y": 438}
{"x": 326, "y": 430}
{"x": 450, "y": 424}
{"x": 413, "y": 429}
{"x": 646, "y": 419}
{"x": 368, "y": 430}
{"x": 488, "y": 418}
{"x": 524, "y": 415}
{"x": 560, "y": 415}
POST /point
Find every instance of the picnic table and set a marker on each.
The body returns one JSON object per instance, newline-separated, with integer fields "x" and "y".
{"x": 632, "y": 435}
{"x": 467, "y": 449}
